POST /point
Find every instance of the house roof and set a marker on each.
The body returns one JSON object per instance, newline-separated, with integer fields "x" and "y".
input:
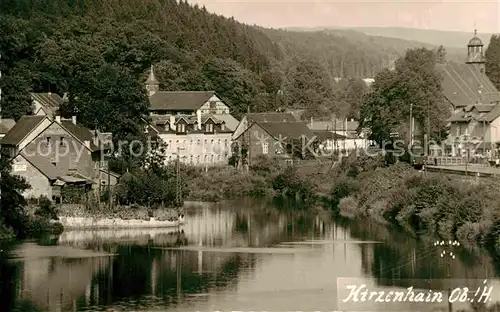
{"x": 288, "y": 130}
{"x": 114, "y": 174}
{"x": 43, "y": 164}
{"x": 462, "y": 82}
{"x": 324, "y": 135}
{"x": 6, "y": 125}
{"x": 179, "y": 100}
{"x": 21, "y": 129}
{"x": 271, "y": 117}
{"x": 340, "y": 125}
{"x": 231, "y": 122}
{"x": 50, "y": 101}
{"x": 81, "y": 133}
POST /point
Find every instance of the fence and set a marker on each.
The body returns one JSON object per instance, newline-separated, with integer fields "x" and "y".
{"x": 455, "y": 161}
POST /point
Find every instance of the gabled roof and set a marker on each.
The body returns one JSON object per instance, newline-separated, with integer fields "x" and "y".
{"x": 231, "y": 122}
{"x": 289, "y": 130}
{"x": 179, "y": 100}
{"x": 43, "y": 164}
{"x": 21, "y": 129}
{"x": 324, "y": 135}
{"x": 50, "y": 101}
{"x": 462, "y": 82}
{"x": 339, "y": 125}
{"x": 270, "y": 117}
{"x": 6, "y": 125}
{"x": 81, "y": 133}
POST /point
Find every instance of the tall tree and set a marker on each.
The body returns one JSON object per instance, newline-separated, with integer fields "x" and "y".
{"x": 414, "y": 83}
{"x": 492, "y": 56}
{"x": 12, "y": 201}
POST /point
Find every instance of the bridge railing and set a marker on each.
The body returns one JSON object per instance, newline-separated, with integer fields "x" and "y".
{"x": 454, "y": 161}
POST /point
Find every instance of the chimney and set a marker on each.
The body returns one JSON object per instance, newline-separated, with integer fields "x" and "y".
{"x": 58, "y": 119}
{"x": 198, "y": 119}
{"x": 73, "y": 119}
{"x": 172, "y": 122}
{"x": 87, "y": 143}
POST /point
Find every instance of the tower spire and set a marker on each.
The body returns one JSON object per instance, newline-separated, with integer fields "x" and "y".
{"x": 152, "y": 84}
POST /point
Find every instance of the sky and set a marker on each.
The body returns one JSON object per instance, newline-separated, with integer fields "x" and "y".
{"x": 444, "y": 15}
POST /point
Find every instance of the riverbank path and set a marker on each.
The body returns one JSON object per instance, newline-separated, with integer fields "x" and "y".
{"x": 472, "y": 169}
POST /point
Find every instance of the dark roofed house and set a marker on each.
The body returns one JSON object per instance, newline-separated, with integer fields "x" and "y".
{"x": 277, "y": 139}
{"x": 67, "y": 149}
{"x": 267, "y": 117}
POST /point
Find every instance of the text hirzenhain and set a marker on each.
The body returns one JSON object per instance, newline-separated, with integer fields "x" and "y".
{"x": 362, "y": 294}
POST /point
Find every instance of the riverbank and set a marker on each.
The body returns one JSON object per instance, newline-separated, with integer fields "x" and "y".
{"x": 421, "y": 202}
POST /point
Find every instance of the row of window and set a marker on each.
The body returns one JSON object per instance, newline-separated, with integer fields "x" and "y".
{"x": 209, "y": 127}
{"x": 198, "y": 143}
{"x": 197, "y": 159}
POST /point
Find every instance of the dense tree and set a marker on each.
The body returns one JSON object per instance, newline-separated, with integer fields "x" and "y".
{"x": 12, "y": 201}
{"x": 492, "y": 56}
{"x": 349, "y": 97}
{"x": 414, "y": 83}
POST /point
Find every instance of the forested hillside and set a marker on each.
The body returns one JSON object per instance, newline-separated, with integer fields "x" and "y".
{"x": 100, "y": 52}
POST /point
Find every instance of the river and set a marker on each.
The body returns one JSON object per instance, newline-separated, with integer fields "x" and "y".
{"x": 236, "y": 256}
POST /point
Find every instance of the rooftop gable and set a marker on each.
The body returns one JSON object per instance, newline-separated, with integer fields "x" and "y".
{"x": 81, "y": 133}
{"x": 179, "y": 100}
{"x": 43, "y": 165}
{"x": 464, "y": 84}
{"x": 22, "y": 129}
{"x": 287, "y": 130}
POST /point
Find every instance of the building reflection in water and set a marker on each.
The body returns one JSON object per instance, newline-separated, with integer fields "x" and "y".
{"x": 146, "y": 275}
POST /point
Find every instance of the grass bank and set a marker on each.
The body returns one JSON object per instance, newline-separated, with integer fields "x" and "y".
{"x": 452, "y": 207}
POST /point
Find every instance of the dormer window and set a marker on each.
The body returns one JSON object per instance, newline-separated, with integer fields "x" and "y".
{"x": 223, "y": 126}
{"x": 167, "y": 126}
{"x": 209, "y": 127}
{"x": 181, "y": 128}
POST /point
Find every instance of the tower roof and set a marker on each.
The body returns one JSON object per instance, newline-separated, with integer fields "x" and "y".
{"x": 475, "y": 41}
{"x": 152, "y": 79}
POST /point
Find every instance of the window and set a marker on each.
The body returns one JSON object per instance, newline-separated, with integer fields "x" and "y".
{"x": 191, "y": 159}
{"x": 181, "y": 128}
{"x": 209, "y": 127}
{"x": 457, "y": 131}
{"x": 169, "y": 144}
{"x": 212, "y": 159}
{"x": 213, "y": 107}
{"x": 197, "y": 159}
{"x": 265, "y": 148}
{"x": 225, "y": 143}
{"x": 206, "y": 142}
{"x": 61, "y": 141}
{"x": 48, "y": 140}
{"x": 199, "y": 142}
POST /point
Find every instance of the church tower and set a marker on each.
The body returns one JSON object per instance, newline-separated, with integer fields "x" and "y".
{"x": 152, "y": 85}
{"x": 475, "y": 54}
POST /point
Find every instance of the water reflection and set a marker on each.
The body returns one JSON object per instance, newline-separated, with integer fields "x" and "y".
{"x": 146, "y": 276}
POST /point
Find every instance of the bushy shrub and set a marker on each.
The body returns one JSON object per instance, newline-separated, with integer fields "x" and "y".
{"x": 348, "y": 207}
{"x": 343, "y": 187}
{"x": 46, "y": 209}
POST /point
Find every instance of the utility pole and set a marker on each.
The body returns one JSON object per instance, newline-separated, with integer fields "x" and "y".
{"x": 178, "y": 195}
{"x": 411, "y": 124}
{"x": 334, "y": 134}
{"x": 449, "y": 255}
{"x": 0, "y": 140}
